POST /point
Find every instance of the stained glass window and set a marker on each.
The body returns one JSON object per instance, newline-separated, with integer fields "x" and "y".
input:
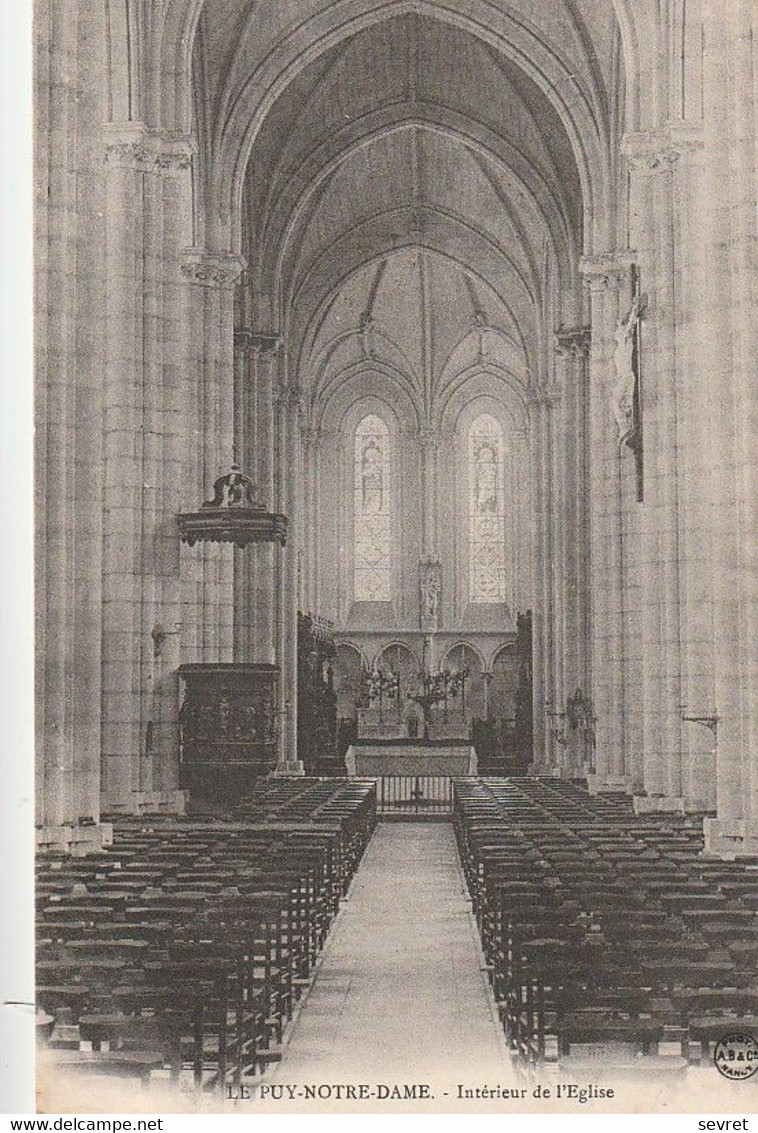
{"x": 486, "y": 511}
{"x": 372, "y": 575}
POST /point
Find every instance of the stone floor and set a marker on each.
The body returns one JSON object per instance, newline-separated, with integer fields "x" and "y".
{"x": 400, "y": 995}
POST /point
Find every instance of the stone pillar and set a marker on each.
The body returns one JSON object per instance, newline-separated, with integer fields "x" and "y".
{"x": 147, "y": 217}
{"x": 727, "y": 336}
{"x": 344, "y": 529}
{"x": 69, "y": 399}
{"x": 451, "y": 516}
{"x": 317, "y": 443}
{"x": 210, "y": 278}
{"x": 523, "y": 496}
{"x": 166, "y": 442}
{"x": 290, "y": 483}
{"x": 555, "y": 410}
{"x": 661, "y": 221}
{"x": 265, "y": 347}
{"x": 310, "y": 440}
{"x": 254, "y": 583}
{"x": 541, "y": 611}
{"x": 245, "y": 561}
{"x": 548, "y": 576}
{"x": 606, "y": 276}
{"x": 428, "y": 442}
{"x": 572, "y": 346}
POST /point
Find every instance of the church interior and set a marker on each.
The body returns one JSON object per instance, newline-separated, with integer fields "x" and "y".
{"x": 396, "y": 605}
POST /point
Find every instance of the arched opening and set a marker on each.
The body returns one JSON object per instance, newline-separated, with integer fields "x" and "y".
{"x": 415, "y": 251}
{"x": 373, "y": 560}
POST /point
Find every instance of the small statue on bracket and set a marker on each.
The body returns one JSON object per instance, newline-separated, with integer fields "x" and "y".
{"x": 430, "y": 587}
{"x": 235, "y": 489}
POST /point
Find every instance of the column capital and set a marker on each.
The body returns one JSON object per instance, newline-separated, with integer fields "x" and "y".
{"x": 428, "y": 437}
{"x": 211, "y": 269}
{"x": 261, "y": 344}
{"x": 544, "y": 396}
{"x": 311, "y": 435}
{"x": 289, "y": 397}
{"x": 608, "y": 271}
{"x": 656, "y": 151}
{"x": 131, "y": 145}
{"x": 175, "y": 155}
{"x": 573, "y": 342}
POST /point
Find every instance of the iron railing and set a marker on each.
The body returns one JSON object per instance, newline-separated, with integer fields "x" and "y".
{"x": 419, "y": 795}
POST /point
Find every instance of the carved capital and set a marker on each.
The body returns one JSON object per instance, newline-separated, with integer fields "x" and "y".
{"x": 242, "y": 338}
{"x": 294, "y": 397}
{"x": 266, "y": 346}
{"x": 656, "y": 151}
{"x": 428, "y": 438}
{"x": 133, "y": 146}
{"x": 211, "y": 269}
{"x": 546, "y": 396}
{"x": 573, "y": 342}
{"x": 129, "y": 146}
{"x": 262, "y": 345}
{"x": 607, "y": 272}
{"x": 311, "y": 435}
{"x": 289, "y": 397}
{"x": 176, "y": 155}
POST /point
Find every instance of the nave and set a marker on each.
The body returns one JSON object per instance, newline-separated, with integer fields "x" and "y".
{"x": 401, "y": 995}
{"x": 295, "y": 941}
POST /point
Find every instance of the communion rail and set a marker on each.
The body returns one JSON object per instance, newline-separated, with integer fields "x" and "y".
{"x": 421, "y": 796}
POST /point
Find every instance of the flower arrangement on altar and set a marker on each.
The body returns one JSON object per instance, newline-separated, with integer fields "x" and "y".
{"x": 437, "y": 687}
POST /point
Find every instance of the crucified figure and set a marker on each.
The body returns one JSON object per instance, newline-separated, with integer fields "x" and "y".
{"x": 623, "y": 357}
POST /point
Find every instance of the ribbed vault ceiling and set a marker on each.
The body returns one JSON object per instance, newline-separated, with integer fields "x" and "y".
{"x": 420, "y": 316}
{"x": 412, "y": 133}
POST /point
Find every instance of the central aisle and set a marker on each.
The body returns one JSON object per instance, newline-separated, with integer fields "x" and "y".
{"x": 400, "y": 995}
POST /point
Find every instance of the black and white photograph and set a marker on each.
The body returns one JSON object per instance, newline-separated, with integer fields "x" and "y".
{"x": 396, "y": 557}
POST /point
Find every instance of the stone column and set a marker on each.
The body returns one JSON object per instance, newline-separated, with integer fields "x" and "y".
{"x": 661, "y": 219}
{"x": 727, "y": 336}
{"x": 290, "y": 502}
{"x": 69, "y": 401}
{"x": 265, "y": 360}
{"x": 210, "y": 278}
{"x": 147, "y": 216}
{"x": 555, "y": 410}
{"x": 540, "y": 561}
{"x": 428, "y": 442}
{"x": 167, "y": 440}
{"x": 245, "y": 561}
{"x": 606, "y": 275}
{"x": 317, "y": 445}
{"x": 310, "y": 439}
{"x": 547, "y": 574}
{"x": 451, "y": 518}
{"x": 572, "y": 345}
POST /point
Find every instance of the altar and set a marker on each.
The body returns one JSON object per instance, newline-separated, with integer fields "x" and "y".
{"x": 404, "y": 757}
{"x": 394, "y": 744}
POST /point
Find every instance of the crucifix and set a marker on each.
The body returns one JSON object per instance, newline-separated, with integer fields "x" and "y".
{"x": 627, "y": 391}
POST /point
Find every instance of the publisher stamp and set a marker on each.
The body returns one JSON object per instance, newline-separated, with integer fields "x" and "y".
{"x": 736, "y": 1056}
